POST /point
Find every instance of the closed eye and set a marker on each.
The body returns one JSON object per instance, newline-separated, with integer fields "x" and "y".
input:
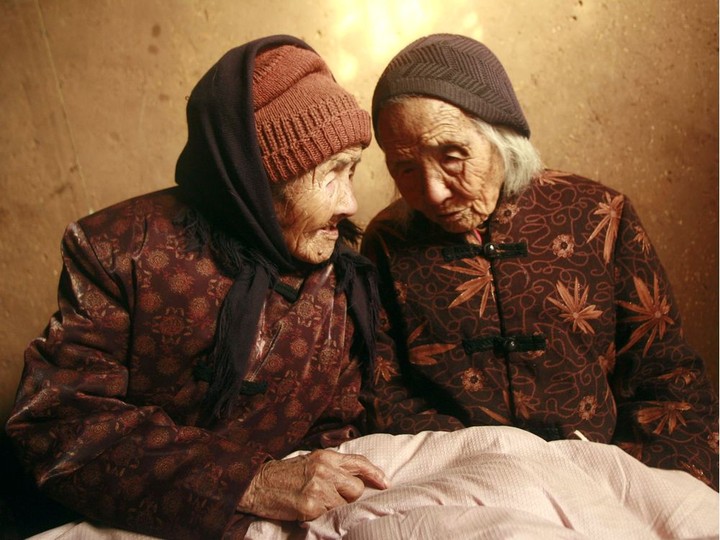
{"x": 452, "y": 158}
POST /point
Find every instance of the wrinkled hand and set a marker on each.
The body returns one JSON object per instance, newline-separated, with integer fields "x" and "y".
{"x": 304, "y": 487}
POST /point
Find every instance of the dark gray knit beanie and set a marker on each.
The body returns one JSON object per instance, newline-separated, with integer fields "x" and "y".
{"x": 455, "y": 69}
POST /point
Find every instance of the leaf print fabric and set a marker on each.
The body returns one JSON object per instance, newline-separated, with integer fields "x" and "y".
{"x": 610, "y": 210}
{"x": 423, "y": 355}
{"x": 480, "y": 284}
{"x": 652, "y": 313}
{"x": 575, "y": 308}
{"x": 581, "y": 334}
{"x": 664, "y": 416}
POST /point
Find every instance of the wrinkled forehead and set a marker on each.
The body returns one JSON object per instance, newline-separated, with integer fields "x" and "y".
{"x": 419, "y": 122}
{"x": 345, "y": 158}
{"x": 349, "y": 156}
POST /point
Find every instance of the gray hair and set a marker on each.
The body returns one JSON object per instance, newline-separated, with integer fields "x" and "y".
{"x": 520, "y": 157}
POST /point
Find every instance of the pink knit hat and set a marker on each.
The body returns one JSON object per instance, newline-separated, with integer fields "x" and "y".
{"x": 302, "y": 116}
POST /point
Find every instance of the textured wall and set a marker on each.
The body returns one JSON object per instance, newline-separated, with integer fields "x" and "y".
{"x": 92, "y": 97}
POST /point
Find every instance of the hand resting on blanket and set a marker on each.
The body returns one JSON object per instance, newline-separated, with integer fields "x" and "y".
{"x": 304, "y": 487}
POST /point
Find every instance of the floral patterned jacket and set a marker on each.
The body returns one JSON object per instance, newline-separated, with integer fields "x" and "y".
{"x": 108, "y": 414}
{"x": 561, "y": 320}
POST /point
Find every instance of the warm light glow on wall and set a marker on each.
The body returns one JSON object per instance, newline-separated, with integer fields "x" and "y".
{"x": 378, "y": 29}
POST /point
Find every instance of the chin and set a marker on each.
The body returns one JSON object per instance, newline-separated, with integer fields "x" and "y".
{"x": 315, "y": 254}
{"x": 456, "y": 227}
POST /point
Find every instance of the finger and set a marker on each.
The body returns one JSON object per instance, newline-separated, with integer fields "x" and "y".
{"x": 364, "y": 469}
{"x": 349, "y": 487}
{"x": 316, "y": 498}
{"x": 355, "y": 464}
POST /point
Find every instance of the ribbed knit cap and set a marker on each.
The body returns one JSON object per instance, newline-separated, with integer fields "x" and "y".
{"x": 455, "y": 69}
{"x": 302, "y": 116}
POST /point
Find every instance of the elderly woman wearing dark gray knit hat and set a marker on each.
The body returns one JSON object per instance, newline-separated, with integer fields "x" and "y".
{"x": 517, "y": 295}
{"x": 208, "y": 330}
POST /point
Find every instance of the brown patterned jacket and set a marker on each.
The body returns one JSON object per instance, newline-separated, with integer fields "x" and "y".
{"x": 108, "y": 413}
{"x": 562, "y": 320}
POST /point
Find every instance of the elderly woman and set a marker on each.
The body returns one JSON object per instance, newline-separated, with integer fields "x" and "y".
{"x": 517, "y": 295}
{"x": 207, "y": 330}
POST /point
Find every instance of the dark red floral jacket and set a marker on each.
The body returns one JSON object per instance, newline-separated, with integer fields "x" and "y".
{"x": 560, "y": 320}
{"x": 108, "y": 413}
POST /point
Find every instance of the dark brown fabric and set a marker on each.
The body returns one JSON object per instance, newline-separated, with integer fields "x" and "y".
{"x": 455, "y": 69}
{"x": 581, "y": 333}
{"x": 108, "y": 413}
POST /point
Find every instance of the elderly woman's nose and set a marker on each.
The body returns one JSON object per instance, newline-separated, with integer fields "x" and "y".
{"x": 346, "y": 202}
{"x": 436, "y": 188}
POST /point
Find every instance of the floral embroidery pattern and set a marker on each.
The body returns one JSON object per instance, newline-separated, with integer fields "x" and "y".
{"x": 574, "y": 307}
{"x": 524, "y": 404}
{"x": 401, "y": 291}
{"x": 551, "y": 178}
{"x": 607, "y": 360}
{"x": 667, "y": 414}
{"x": 481, "y": 284}
{"x": 580, "y": 381}
{"x": 499, "y": 418}
{"x": 172, "y": 326}
{"x": 687, "y": 376}
{"x": 384, "y": 369}
{"x": 641, "y": 238}
{"x": 472, "y": 379}
{"x": 422, "y": 355}
{"x": 563, "y": 246}
{"x": 652, "y": 313}
{"x": 587, "y": 407}
{"x": 506, "y": 212}
{"x": 611, "y": 210}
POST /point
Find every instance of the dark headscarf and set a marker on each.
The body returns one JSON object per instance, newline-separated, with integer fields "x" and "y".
{"x": 220, "y": 173}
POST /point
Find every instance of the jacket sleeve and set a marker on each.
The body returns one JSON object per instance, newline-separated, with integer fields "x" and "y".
{"x": 667, "y": 407}
{"x": 394, "y": 393}
{"x": 125, "y": 464}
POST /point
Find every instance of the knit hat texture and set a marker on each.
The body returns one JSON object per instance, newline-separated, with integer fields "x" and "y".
{"x": 302, "y": 116}
{"x": 455, "y": 69}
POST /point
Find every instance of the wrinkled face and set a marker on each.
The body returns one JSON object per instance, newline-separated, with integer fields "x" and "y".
{"x": 309, "y": 207}
{"x": 441, "y": 164}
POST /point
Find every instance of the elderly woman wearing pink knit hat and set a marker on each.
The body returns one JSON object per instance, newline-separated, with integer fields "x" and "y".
{"x": 207, "y": 330}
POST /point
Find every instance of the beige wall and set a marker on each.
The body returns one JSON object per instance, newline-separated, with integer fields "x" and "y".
{"x": 92, "y": 97}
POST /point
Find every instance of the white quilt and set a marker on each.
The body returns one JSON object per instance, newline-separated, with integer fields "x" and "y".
{"x": 498, "y": 483}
